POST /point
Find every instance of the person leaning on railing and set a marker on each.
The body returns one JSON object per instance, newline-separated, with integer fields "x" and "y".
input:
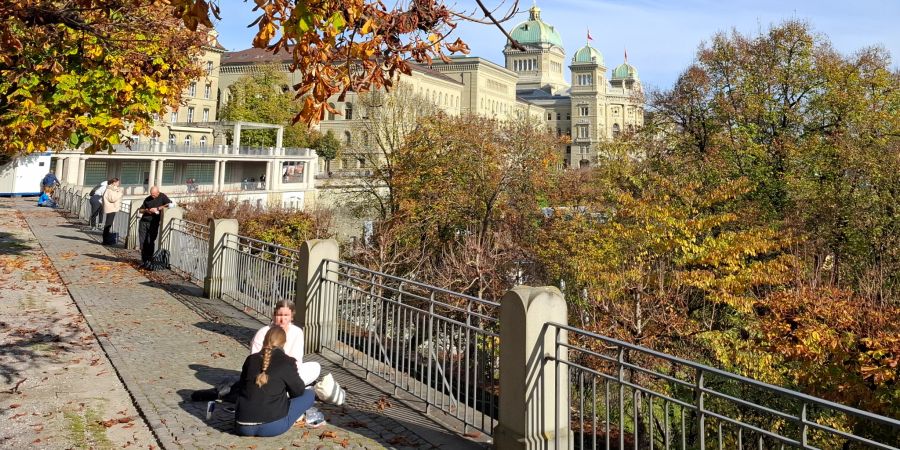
{"x": 148, "y": 226}
{"x": 112, "y": 203}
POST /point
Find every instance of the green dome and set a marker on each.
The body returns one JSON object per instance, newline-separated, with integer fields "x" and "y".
{"x": 536, "y": 31}
{"x": 625, "y": 70}
{"x": 588, "y": 54}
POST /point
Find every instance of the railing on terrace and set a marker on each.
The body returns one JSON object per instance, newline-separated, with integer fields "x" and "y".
{"x": 438, "y": 345}
{"x": 122, "y": 222}
{"x": 191, "y": 244}
{"x": 257, "y": 274}
{"x": 626, "y": 396}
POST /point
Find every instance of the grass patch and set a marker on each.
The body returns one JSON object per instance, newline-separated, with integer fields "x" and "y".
{"x": 85, "y": 430}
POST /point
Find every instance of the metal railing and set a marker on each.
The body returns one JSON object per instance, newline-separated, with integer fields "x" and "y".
{"x": 626, "y": 396}
{"x": 122, "y": 222}
{"x": 189, "y": 242}
{"x": 438, "y": 345}
{"x": 257, "y": 274}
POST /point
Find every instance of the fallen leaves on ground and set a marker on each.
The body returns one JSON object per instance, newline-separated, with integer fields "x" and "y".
{"x": 383, "y": 403}
{"x": 328, "y": 435}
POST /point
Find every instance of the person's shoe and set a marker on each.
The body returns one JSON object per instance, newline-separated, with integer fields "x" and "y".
{"x": 210, "y": 407}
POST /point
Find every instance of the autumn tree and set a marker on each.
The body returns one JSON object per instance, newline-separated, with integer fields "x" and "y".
{"x": 260, "y": 97}
{"x": 76, "y": 73}
{"x": 815, "y": 134}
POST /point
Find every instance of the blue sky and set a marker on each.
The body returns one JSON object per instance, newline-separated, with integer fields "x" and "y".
{"x": 661, "y": 36}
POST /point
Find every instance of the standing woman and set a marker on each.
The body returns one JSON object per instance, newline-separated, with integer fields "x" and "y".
{"x": 112, "y": 202}
{"x": 271, "y": 395}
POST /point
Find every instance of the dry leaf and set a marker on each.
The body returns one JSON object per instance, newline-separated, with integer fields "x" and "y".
{"x": 125, "y": 419}
{"x": 14, "y": 405}
{"x": 328, "y": 435}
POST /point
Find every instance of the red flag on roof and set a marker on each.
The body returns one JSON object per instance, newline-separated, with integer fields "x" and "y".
{"x": 590, "y": 38}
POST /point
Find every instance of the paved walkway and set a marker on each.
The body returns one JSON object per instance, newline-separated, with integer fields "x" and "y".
{"x": 165, "y": 341}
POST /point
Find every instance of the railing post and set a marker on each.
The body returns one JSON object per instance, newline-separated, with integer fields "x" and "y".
{"x": 165, "y": 227}
{"x": 216, "y": 265}
{"x": 534, "y": 400}
{"x": 317, "y": 310}
{"x": 131, "y": 241}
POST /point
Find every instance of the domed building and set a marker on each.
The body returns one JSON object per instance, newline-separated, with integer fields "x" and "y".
{"x": 541, "y": 65}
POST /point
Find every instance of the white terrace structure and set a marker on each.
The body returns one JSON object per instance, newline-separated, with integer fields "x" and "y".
{"x": 261, "y": 175}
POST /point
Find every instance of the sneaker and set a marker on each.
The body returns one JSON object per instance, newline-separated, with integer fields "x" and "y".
{"x": 210, "y": 407}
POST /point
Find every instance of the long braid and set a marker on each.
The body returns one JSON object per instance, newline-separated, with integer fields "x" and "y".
{"x": 275, "y": 338}
{"x": 263, "y": 377}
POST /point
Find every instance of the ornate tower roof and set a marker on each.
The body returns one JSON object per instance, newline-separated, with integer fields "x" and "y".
{"x": 536, "y": 31}
{"x": 624, "y": 71}
{"x": 588, "y": 54}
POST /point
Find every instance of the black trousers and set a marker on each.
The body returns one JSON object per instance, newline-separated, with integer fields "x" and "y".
{"x": 107, "y": 238}
{"x": 147, "y": 232}
{"x": 96, "y": 210}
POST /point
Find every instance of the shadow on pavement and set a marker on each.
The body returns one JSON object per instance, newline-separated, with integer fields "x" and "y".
{"x": 74, "y": 238}
{"x": 240, "y": 333}
{"x": 10, "y": 245}
{"x": 104, "y": 257}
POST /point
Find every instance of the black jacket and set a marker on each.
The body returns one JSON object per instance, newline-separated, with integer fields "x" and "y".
{"x": 271, "y": 401}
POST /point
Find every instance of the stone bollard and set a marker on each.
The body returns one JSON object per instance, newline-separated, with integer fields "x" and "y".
{"x": 316, "y": 313}
{"x": 131, "y": 242}
{"x": 217, "y": 266}
{"x": 532, "y": 416}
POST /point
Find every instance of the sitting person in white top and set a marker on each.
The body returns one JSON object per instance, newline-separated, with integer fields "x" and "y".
{"x": 293, "y": 347}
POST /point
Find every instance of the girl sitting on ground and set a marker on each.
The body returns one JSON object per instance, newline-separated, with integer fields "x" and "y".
{"x": 271, "y": 395}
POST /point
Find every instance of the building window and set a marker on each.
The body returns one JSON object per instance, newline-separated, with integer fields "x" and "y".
{"x": 348, "y": 111}
{"x": 568, "y": 115}
{"x": 187, "y": 140}
{"x": 190, "y": 114}
{"x": 173, "y": 117}
{"x": 172, "y": 139}
{"x": 347, "y": 138}
{"x": 208, "y": 69}
{"x": 558, "y": 116}
{"x": 549, "y": 116}
{"x": 207, "y": 90}
{"x": 616, "y": 130}
{"x": 192, "y": 91}
{"x": 583, "y": 132}
{"x": 94, "y": 172}
{"x": 203, "y": 141}
{"x": 585, "y": 111}
{"x": 206, "y": 114}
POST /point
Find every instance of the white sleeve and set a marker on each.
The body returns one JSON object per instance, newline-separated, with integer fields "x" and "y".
{"x": 257, "y": 342}
{"x": 294, "y": 345}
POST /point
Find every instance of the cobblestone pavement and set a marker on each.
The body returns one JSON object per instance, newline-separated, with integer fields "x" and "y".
{"x": 57, "y": 388}
{"x": 165, "y": 341}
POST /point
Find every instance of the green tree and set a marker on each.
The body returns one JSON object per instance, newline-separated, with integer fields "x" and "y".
{"x": 79, "y": 72}
{"x": 327, "y": 146}
{"x": 261, "y": 97}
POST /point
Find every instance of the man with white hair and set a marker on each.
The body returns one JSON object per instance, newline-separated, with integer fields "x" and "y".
{"x": 148, "y": 226}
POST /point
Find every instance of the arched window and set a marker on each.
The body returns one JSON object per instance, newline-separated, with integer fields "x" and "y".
{"x": 187, "y": 140}
{"x": 171, "y": 138}
{"x": 347, "y": 137}
{"x": 348, "y": 111}
{"x": 616, "y": 130}
{"x": 203, "y": 141}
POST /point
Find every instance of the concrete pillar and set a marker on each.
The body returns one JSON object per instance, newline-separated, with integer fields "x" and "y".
{"x": 222, "y": 176}
{"x": 165, "y": 223}
{"x": 316, "y": 313}
{"x": 236, "y": 138}
{"x": 79, "y": 179}
{"x": 216, "y": 164}
{"x": 72, "y": 170}
{"x": 217, "y": 266}
{"x": 131, "y": 241}
{"x": 151, "y": 179}
{"x": 160, "y": 165}
{"x": 279, "y": 138}
{"x": 532, "y": 416}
